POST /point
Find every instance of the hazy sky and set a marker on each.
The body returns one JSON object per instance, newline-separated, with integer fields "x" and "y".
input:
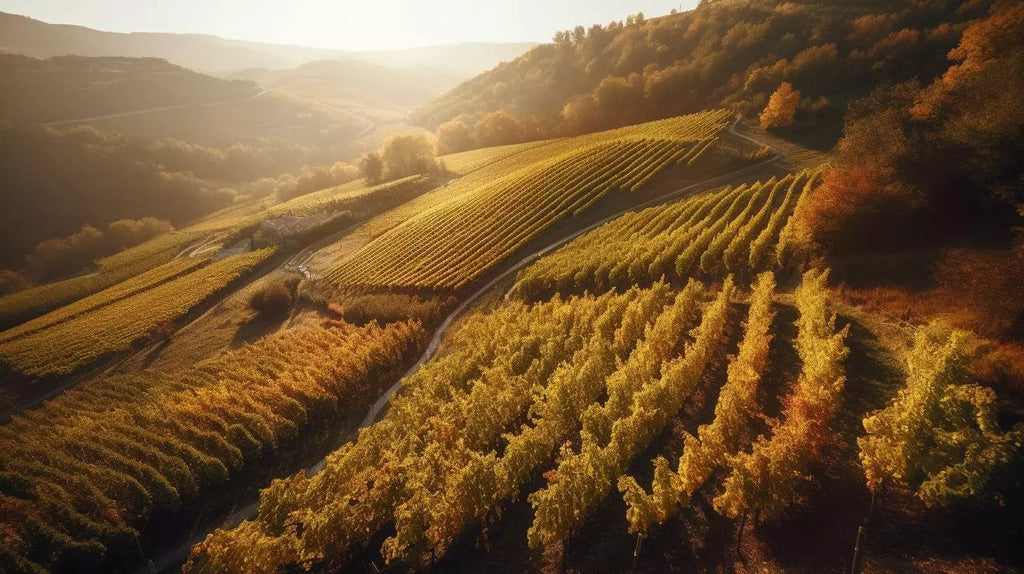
{"x": 344, "y": 24}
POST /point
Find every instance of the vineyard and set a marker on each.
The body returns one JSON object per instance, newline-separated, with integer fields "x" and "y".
{"x": 23, "y": 305}
{"x": 122, "y": 290}
{"x": 481, "y": 219}
{"x": 572, "y": 390}
{"x": 735, "y": 289}
{"x": 85, "y": 474}
{"x": 63, "y": 347}
{"x": 741, "y": 230}
{"x": 469, "y": 161}
{"x": 333, "y": 199}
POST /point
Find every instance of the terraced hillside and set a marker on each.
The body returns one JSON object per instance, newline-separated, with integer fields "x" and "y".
{"x": 743, "y": 230}
{"x": 481, "y": 219}
{"x": 66, "y": 341}
{"x": 552, "y": 402}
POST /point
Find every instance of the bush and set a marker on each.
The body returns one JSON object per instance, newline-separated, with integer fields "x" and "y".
{"x": 272, "y": 300}
{"x": 781, "y": 107}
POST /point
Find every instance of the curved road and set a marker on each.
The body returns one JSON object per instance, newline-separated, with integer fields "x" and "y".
{"x": 175, "y": 557}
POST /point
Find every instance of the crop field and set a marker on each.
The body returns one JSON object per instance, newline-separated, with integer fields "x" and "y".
{"x": 85, "y": 474}
{"x": 24, "y": 305}
{"x": 465, "y": 162}
{"x": 573, "y": 390}
{"x": 462, "y": 230}
{"x": 122, "y": 290}
{"x": 325, "y": 201}
{"x": 741, "y": 230}
{"x": 68, "y": 346}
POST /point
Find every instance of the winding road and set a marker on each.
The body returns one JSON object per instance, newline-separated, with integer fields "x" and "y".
{"x": 177, "y": 556}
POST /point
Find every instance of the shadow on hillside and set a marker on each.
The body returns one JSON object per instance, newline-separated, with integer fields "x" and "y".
{"x": 257, "y": 327}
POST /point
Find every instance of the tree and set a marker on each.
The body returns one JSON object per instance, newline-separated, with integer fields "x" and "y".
{"x": 407, "y": 154}
{"x": 498, "y": 128}
{"x": 453, "y": 136}
{"x": 373, "y": 167}
{"x": 781, "y": 107}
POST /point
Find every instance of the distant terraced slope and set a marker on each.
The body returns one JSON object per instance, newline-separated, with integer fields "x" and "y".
{"x": 484, "y": 217}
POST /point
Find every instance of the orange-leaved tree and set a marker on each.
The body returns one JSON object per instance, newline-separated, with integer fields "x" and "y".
{"x": 781, "y": 107}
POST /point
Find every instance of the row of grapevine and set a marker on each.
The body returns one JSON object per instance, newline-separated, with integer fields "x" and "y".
{"x": 498, "y": 209}
{"x": 18, "y": 307}
{"x": 468, "y": 161}
{"x": 734, "y": 230}
{"x": 147, "y": 280}
{"x": 445, "y": 424}
{"x": 474, "y": 427}
{"x": 940, "y": 434}
{"x": 766, "y": 480}
{"x": 640, "y": 405}
{"x": 64, "y": 347}
{"x": 83, "y": 475}
{"x": 719, "y": 440}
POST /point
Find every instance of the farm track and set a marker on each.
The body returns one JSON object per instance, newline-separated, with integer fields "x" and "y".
{"x": 172, "y": 560}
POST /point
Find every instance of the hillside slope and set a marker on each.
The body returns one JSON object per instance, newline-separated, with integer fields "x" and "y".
{"x": 28, "y": 36}
{"x": 72, "y": 87}
{"x": 728, "y": 52}
{"x": 356, "y": 82}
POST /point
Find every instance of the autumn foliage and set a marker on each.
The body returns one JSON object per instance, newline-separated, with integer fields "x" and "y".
{"x": 781, "y": 107}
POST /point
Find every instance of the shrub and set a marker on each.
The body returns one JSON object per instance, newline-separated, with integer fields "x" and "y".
{"x": 272, "y": 300}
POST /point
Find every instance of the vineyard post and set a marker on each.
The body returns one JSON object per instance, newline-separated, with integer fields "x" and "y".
{"x": 739, "y": 532}
{"x": 636, "y": 550}
{"x": 858, "y": 549}
{"x": 862, "y": 535}
{"x": 149, "y": 563}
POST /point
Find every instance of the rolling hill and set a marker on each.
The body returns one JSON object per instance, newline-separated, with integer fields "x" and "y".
{"x": 23, "y": 35}
{"x": 72, "y": 87}
{"x": 357, "y": 83}
{"x": 721, "y": 53}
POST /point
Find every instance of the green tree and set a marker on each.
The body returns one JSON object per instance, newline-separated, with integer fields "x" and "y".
{"x": 373, "y": 167}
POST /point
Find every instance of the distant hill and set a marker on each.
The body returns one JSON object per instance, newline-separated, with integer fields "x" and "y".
{"x": 20, "y": 34}
{"x": 73, "y": 87}
{"x": 356, "y": 82}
